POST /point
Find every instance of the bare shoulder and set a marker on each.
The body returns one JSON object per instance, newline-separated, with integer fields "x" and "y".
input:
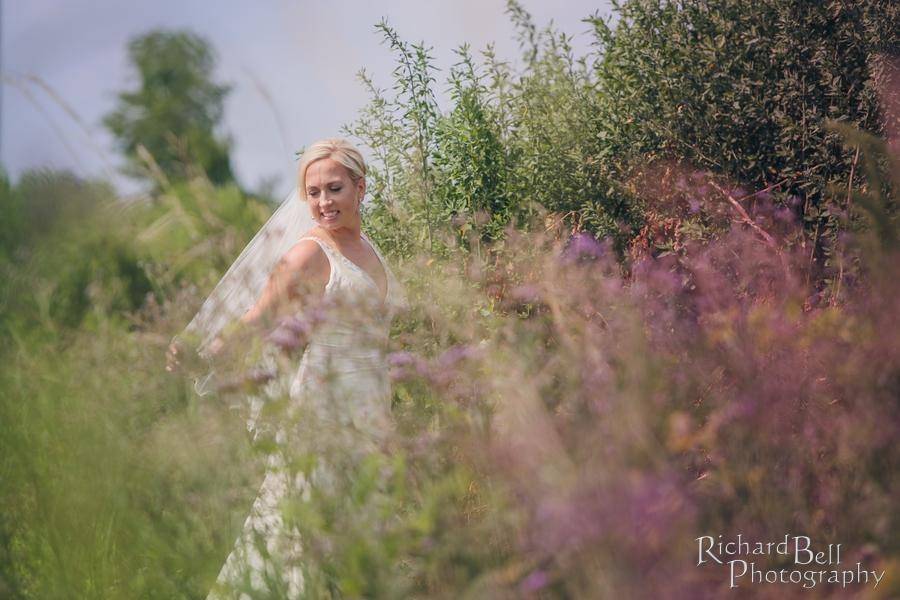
{"x": 315, "y": 231}
{"x": 306, "y": 258}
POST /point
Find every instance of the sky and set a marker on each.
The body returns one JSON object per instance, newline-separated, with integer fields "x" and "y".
{"x": 293, "y": 66}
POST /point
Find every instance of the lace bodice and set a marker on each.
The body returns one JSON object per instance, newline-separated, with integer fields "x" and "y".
{"x": 358, "y": 320}
{"x": 348, "y": 278}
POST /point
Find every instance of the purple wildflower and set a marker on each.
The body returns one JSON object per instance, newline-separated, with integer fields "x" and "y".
{"x": 455, "y": 354}
{"x": 583, "y": 245}
{"x": 260, "y": 376}
{"x": 319, "y": 314}
{"x": 422, "y": 368}
{"x": 294, "y": 325}
{"x": 285, "y": 339}
{"x": 526, "y": 293}
{"x": 400, "y": 359}
{"x": 784, "y": 215}
{"x": 405, "y": 364}
{"x": 535, "y": 581}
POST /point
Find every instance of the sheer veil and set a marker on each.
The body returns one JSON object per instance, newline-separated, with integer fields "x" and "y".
{"x": 246, "y": 278}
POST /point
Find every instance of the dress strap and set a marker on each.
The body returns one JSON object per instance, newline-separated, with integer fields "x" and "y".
{"x": 395, "y": 291}
{"x": 333, "y": 264}
{"x": 326, "y": 248}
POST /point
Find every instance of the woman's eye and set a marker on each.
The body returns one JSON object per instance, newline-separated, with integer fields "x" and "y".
{"x": 336, "y": 189}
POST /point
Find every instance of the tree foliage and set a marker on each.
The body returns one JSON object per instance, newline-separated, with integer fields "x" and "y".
{"x": 745, "y": 90}
{"x": 739, "y": 90}
{"x": 175, "y": 111}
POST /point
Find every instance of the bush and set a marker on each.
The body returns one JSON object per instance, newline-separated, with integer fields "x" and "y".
{"x": 742, "y": 91}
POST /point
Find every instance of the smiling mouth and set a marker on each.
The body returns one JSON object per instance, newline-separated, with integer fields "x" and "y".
{"x": 329, "y": 214}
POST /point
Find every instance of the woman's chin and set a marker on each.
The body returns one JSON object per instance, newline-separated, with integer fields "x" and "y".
{"x": 334, "y": 224}
{"x": 326, "y": 223}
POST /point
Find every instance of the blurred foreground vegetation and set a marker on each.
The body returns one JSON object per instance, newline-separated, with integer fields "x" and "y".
{"x": 654, "y": 297}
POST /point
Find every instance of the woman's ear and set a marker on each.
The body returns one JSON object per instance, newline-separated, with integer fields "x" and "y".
{"x": 361, "y": 188}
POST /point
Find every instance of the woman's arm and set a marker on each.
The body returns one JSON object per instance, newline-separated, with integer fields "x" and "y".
{"x": 303, "y": 270}
{"x": 300, "y": 274}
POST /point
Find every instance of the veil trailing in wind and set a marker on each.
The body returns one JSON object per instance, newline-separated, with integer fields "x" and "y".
{"x": 243, "y": 283}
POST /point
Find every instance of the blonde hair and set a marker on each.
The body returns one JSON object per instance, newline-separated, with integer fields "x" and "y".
{"x": 337, "y": 149}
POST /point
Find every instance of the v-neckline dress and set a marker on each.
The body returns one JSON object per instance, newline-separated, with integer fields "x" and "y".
{"x": 333, "y": 253}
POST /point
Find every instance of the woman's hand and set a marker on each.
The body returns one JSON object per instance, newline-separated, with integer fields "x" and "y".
{"x": 216, "y": 346}
{"x": 173, "y": 354}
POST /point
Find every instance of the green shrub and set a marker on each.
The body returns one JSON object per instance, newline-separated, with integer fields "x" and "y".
{"x": 742, "y": 90}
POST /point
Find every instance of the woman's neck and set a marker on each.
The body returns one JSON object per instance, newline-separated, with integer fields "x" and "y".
{"x": 344, "y": 235}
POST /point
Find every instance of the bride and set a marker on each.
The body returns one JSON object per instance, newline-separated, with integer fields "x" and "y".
{"x": 311, "y": 253}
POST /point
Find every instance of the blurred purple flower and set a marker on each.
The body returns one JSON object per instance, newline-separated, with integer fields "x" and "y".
{"x": 583, "y": 245}
{"x": 285, "y": 339}
{"x": 561, "y": 522}
{"x": 399, "y": 363}
{"x": 784, "y": 214}
{"x": 319, "y": 314}
{"x": 526, "y": 293}
{"x": 294, "y": 325}
{"x": 400, "y": 359}
{"x": 292, "y": 331}
{"x": 535, "y": 581}
{"x": 422, "y": 368}
{"x": 398, "y": 374}
{"x": 260, "y": 376}
{"x": 439, "y": 371}
{"x": 404, "y": 365}
{"x": 455, "y": 354}
{"x": 660, "y": 279}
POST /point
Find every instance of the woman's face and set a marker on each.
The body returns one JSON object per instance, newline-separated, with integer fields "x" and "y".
{"x": 332, "y": 195}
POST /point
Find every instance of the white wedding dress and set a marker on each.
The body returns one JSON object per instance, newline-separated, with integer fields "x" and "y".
{"x": 341, "y": 383}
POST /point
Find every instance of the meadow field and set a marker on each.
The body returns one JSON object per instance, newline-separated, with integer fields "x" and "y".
{"x": 654, "y": 296}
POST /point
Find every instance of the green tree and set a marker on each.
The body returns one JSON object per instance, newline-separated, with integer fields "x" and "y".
{"x": 745, "y": 90}
{"x": 736, "y": 90}
{"x": 175, "y": 111}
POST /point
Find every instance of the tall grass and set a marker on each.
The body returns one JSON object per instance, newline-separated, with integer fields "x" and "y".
{"x": 565, "y": 427}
